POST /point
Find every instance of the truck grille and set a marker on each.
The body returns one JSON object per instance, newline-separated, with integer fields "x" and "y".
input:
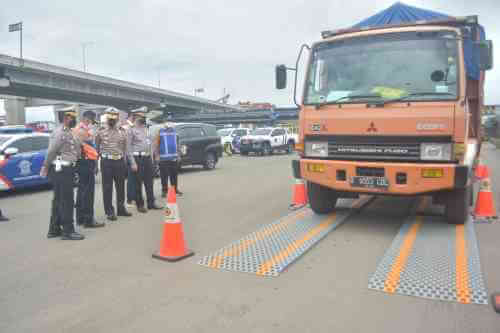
{"x": 376, "y": 147}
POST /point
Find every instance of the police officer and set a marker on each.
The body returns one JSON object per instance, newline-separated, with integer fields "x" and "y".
{"x": 165, "y": 148}
{"x": 86, "y": 167}
{"x": 131, "y": 179}
{"x": 64, "y": 150}
{"x": 111, "y": 144}
{"x": 140, "y": 157}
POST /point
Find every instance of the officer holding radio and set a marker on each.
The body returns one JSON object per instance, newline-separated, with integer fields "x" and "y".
{"x": 86, "y": 167}
{"x": 111, "y": 144}
{"x": 62, "y": 155}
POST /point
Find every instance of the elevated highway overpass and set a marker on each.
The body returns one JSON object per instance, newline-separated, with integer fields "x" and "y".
{"x": 25, "y": 78}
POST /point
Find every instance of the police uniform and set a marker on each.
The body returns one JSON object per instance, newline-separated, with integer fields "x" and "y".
{"x": 169, "y": 158}
{"x": 139, "y": 143}
{"x": 111, "y": 144}
{"x": 86, "y": 168}
{"x": 131, "y": 179}
{"x": 63, "y": 153}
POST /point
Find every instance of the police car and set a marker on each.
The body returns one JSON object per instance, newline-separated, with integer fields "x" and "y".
{"x": 22, "y": 153}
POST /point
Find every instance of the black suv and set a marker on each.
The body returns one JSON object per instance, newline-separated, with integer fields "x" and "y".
{"x": 199, "y": 144}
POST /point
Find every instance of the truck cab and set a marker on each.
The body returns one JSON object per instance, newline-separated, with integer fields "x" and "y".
{"x": 393, "y": 109}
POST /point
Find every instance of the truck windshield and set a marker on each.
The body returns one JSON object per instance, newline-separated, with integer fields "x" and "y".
{"x": 415, "y": 65}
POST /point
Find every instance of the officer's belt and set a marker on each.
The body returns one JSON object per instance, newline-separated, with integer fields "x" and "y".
{"x": 63, "y": 163}
{"x": 140, "y": 153}
{"x": 112, "y": 156}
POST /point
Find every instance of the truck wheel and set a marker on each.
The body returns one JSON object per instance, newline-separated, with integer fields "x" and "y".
{"x": 210, "y": 161}
{"x": 266, "y": 149}
{"x": 322, "y": 199}
{"x": 458, "y": 205}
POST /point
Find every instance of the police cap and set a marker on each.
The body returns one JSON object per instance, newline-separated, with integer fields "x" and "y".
{"x": 140, "y": 112}
{"x": 89, "y": 115}
{"x": 67, "y": 111}
{"x": 112, "y": 113}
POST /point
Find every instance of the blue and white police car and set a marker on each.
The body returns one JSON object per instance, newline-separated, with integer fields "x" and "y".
{"x": 22, "y": 153}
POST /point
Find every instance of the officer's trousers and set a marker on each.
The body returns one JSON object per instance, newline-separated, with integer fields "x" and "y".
{"x": 113, "y": 171}
{"x": 86, "y": 191}
{"x": 131, "y": 184}
{"x": 168, "y": 169}
{"x": 144, "y": 175}
{"x": 63, "y": 200}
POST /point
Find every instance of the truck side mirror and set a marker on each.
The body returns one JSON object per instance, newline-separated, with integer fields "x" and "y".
{"x": 280, "y": 77}
{"x": 486, "y": 55}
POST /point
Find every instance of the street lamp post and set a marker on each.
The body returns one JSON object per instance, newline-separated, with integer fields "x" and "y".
{"x": 84, "y": 45}
{"x": 18, "y": 27}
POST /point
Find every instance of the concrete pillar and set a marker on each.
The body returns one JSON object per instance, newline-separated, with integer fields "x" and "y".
{"x": 14, "y": 110}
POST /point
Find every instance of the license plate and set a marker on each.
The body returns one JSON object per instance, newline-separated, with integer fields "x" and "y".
{"x": 314, "y": 167}
{"x": 370, "y": 182}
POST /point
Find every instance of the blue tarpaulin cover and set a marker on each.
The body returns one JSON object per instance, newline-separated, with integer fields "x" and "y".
{"x": 400, "y": 13}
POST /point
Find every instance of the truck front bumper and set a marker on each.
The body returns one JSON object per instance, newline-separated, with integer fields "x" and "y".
{"x": 331, "y": 174}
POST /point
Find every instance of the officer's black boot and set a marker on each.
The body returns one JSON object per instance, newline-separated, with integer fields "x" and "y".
{"x": 3, "y": 218}
{"x": 93, "y": 223}
{"x": 123, "y": 212}
{"x": 72, "y": 236}
{"x": 54, "y": 228}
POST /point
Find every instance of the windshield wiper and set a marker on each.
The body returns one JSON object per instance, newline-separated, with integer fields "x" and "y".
{"x": 429, "y": 93}
{"x": 319, "y": 105}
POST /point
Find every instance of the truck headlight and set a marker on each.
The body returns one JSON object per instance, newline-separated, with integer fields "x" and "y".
{"x": 317, "y": 149}
{"x": 435, "y": 151}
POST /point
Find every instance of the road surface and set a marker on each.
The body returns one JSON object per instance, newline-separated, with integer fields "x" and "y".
{"x": 110, "y": 283}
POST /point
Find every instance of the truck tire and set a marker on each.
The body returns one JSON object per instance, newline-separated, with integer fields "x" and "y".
{"x": 322, "y": 199}
{"x": 458, "y": 205}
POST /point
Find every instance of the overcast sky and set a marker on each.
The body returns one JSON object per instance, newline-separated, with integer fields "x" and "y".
{"x": 213, "y": 44}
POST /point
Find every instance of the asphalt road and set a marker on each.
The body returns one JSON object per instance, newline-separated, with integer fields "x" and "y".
{"x": 110, "y": 283}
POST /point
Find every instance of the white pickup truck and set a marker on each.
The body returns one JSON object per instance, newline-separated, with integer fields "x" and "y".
{"x": 266, "y": 141}
{"x": 227, "y": 136}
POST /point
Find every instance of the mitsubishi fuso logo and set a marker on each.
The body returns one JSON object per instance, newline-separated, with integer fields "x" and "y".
{"x": 372, "y": 127}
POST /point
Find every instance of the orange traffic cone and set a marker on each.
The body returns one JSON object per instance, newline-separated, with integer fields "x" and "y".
{"x": 482, "y": 171}
{"x": 173, "y": 247}
{"x": 485, "y": 208}
{"x": 299, "y": 195}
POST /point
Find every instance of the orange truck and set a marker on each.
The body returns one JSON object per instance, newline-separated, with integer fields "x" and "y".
{"x": 393, "y": 107}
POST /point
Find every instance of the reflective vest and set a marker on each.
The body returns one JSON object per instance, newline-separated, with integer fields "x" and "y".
{"x": 88, "y": 146}
{"x": 168, "y": 144}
